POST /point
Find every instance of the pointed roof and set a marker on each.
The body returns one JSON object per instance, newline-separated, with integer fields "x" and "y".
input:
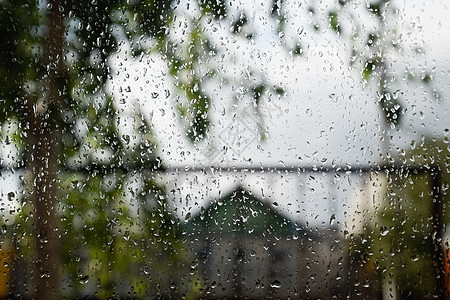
{"x": 242, "y": 213}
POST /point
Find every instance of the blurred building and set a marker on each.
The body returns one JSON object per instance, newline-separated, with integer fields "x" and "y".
{"x": 242, "y": 247}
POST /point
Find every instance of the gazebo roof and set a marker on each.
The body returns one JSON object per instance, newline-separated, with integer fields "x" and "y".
{"x": 240, "y": 212}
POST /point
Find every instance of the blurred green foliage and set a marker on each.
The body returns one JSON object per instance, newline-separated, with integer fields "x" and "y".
{"x": 398, "y": 244}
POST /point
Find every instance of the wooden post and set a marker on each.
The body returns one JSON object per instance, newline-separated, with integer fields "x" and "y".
{"x": 43, "y": 154}
{"x": 438, "y": 251}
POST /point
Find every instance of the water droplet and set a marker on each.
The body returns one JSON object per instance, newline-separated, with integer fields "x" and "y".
{"x": 332, "y": 219}
{"x": 84, "y": 279}
{"x": 275, "y": 284}
{"x": 146, "y": 270}
{"x": 194, "y": 264}
{"x": 126, "y": 235}
{"x": 346, "y": 234}
{"x": 307, "y": 288}
{"x": 333, "y": 97}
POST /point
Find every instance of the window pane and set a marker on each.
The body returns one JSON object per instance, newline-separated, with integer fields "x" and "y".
{"x": 197, "y": 149}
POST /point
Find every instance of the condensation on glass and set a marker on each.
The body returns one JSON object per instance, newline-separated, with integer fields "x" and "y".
{"x": 211, "y": 149}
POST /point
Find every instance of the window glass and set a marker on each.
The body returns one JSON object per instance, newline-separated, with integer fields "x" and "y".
{"x": 194, "y": 149}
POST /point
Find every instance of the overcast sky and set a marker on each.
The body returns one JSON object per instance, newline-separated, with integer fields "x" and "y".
{"x": 327, "y": 113}
{"x": 327, "y": 116}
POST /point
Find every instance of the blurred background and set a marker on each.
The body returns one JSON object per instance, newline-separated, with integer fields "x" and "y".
{"x": 224, "y": 149}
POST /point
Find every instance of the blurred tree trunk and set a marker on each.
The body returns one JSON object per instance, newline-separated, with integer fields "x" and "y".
{"x": 44, "y": 148}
